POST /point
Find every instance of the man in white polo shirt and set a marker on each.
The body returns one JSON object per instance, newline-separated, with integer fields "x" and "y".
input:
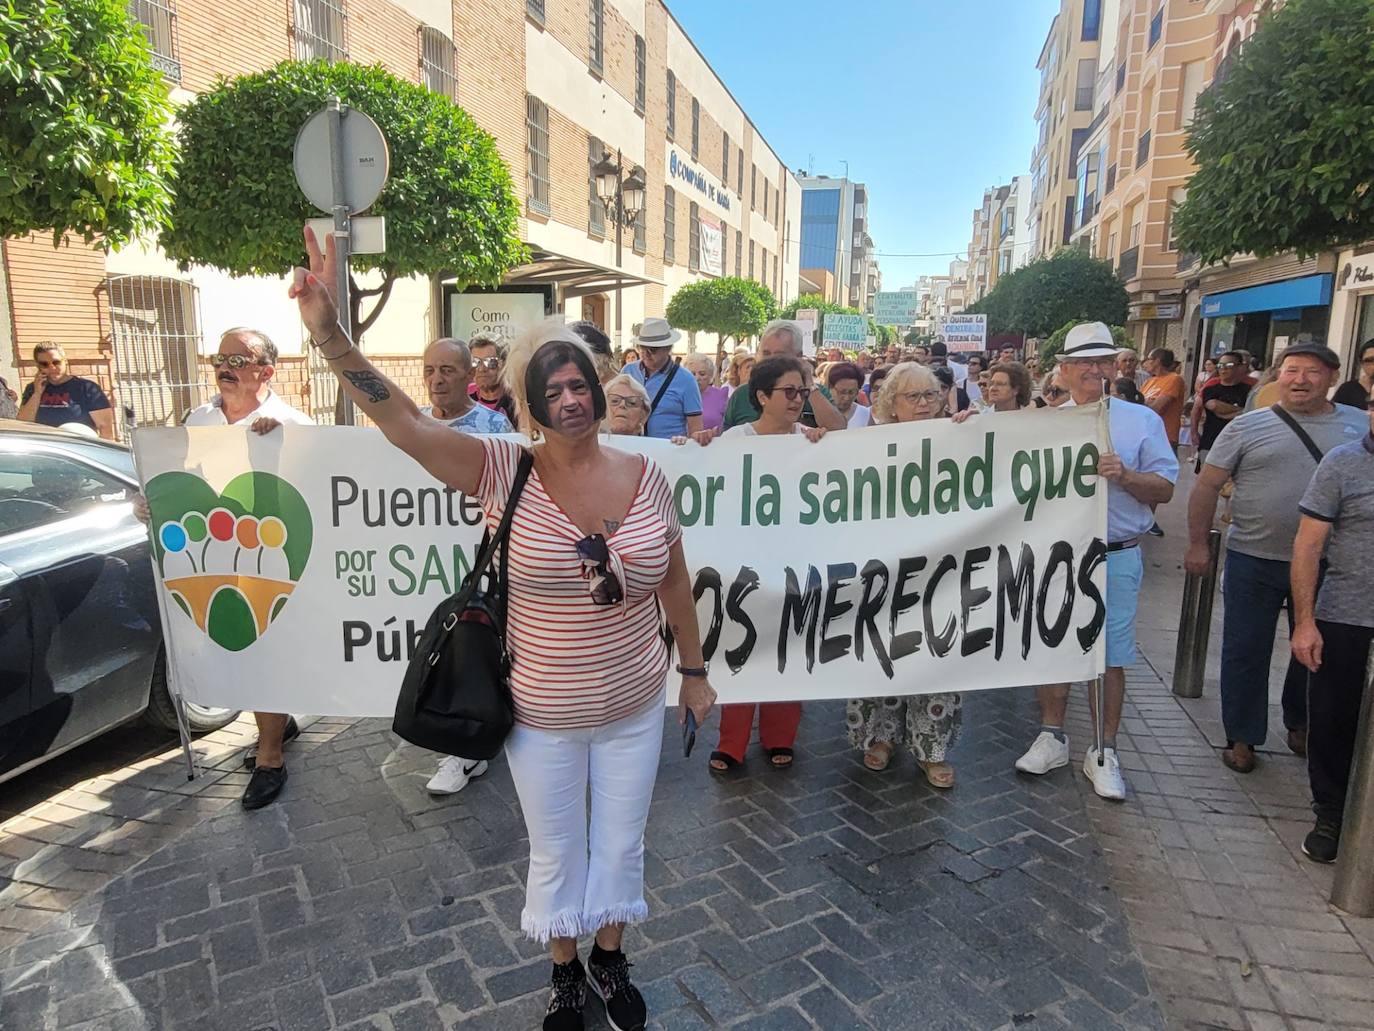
{"x": 1140, "y": 471}
{"x": 244, "y": 366}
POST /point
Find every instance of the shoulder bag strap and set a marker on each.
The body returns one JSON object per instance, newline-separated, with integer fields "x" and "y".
{"x": 491, "y": 542}
{"x": 522, "y": 473}
{"x": 1293, "y": 425}
{"x": 672, "y": 371}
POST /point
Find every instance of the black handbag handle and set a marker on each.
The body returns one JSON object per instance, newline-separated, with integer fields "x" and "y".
{"x": 490, "y": 543}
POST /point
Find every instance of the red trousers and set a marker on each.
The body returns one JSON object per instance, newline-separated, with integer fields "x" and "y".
{"x": 778, "y": 722}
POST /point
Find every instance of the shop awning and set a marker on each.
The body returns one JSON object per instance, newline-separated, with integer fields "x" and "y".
{"x": 573, "y": 276}
{"x": 1303, "y": 292}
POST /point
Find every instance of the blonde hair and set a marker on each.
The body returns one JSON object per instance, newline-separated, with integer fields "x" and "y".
{"x": 737, "y": 361}
{"x": 904, "y": 377}
{"x": 523, "y": 348}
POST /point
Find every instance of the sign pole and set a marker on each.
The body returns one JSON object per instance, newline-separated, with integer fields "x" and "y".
{"x": 343, "y": 410}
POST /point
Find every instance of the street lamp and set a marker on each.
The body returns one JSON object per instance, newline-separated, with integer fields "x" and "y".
{"x": 622, "y": 196}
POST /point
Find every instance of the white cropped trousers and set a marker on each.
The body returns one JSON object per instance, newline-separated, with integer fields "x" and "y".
{"x": 586, "y": 869}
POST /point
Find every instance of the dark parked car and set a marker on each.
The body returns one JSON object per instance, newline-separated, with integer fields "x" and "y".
{"x": 81, "y": 646}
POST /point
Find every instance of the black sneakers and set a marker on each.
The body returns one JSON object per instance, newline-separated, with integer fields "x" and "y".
{"x": 1322, "y": 841}
{"x": 609, "y": 974}
{"x": 567, "y": 998}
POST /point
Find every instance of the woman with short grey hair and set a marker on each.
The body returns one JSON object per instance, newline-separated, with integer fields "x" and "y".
{"x": 627, "y": 406}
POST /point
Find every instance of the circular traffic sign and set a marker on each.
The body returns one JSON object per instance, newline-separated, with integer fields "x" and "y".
{"x": 366, "y": 160}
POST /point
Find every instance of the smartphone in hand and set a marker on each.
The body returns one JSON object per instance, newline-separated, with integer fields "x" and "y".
{"x": 689, "y": 733}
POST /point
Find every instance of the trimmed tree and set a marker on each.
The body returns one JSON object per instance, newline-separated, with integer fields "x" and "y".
{"x": 84, "y": 146}
{"x": 1284, "y": 151}
{"x": 449, "y": 205}
{"x": 728, "y": 307}
{"x": 1068, "y": 286}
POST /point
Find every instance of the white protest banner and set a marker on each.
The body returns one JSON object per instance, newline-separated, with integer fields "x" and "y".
{"x": 963, "y": 332}
{"x": 843, "y": 330}
{"x": 807, "y": 318}
{"x": 299, "y": 567}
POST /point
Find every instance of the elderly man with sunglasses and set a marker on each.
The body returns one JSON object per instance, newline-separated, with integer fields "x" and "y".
{"x": 244, "y": 366}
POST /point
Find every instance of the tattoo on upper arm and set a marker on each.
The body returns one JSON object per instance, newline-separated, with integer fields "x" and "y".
{"x": 611, "y": 525}
{"x": 369, "y": 383}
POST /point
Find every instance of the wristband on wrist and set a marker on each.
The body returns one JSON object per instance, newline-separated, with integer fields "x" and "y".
{"x": 693, "y": 671}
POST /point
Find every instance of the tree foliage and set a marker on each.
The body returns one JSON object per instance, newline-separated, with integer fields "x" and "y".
{"x": 818, "y": 302}
{"x": 1038, "y": 298}
{"x": 1283, "y": 145}
{"x": 449, "y": 205}
{"x": 1052, "y": 345}
{"x": 84, "y": 146}
{"x": 728, "y": 307}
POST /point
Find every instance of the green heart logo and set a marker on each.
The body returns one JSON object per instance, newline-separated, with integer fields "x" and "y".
{"x": 229, "y": 560}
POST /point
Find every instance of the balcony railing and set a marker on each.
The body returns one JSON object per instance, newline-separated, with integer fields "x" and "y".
{"x": 1186, "y": 261}
{"x": 1083, "y": 98}
{"x": 158, "y": 19}
{"x": 1142, "y": 149}
{"x": 1129, "y": 264}
{"x": 1156, "y": 27}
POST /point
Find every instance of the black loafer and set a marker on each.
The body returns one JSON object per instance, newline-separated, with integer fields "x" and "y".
{"x": 292, "y": 731}
{"x": 264, "y": 786}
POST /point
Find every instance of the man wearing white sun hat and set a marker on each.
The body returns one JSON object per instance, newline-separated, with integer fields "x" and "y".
{"x": 1140, "y": 470}
{"x": 244, "y": 366}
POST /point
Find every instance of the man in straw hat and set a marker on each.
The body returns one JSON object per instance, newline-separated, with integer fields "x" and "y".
{"x": 674, "y": 397}
{"x": 1140, "y": 471}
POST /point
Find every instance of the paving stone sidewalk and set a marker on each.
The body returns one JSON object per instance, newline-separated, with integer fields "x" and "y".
{"x": 822, "y": 897}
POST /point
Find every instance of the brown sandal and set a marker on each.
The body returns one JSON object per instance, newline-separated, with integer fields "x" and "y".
{"x": 940, "y": 775}
{"x": 878, "y": 756}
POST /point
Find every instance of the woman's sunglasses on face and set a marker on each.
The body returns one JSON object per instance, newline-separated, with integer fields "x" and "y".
{"x": 234, "y": 361}
{"x": 792, "y": 393}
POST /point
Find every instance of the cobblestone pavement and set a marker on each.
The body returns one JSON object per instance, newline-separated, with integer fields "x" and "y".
{"x": 825, "y": 896}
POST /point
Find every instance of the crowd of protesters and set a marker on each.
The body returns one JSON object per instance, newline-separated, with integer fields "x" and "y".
{"x": 597, "y": 544}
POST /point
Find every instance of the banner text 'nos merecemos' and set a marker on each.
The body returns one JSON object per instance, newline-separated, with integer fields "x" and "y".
{"x": 890, "y": 560}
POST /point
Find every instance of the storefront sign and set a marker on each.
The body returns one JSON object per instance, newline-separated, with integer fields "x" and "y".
{"x": 894, "y": 307}
{"x": 297, "y": 568}
{"x": 505, "y": 315}
{"x": 695, "y": 182}
{"x": 963, "y": 332}
{"x": 844, "y": 330}
{"x": 712, "y": 258}
{"x": 1357, "y": 274}
{"x": 1148, "y": 311}
{"x": 1302, "y": 292}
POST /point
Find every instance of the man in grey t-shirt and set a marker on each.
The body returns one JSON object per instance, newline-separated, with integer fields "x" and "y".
{"x": 1269, "y": 464}
{"x": 1332, "y": 637}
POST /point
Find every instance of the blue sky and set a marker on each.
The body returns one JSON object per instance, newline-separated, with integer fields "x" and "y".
{"x": 928, "y": 101}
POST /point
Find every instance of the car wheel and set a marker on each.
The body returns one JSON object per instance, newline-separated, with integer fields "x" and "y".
{"x": 161, "y": 712}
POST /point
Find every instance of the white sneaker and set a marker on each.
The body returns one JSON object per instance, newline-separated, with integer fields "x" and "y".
{"x": 1107, "y": 779}
{"x": 1046, "y": 753}
{"x": 453, "y": 775}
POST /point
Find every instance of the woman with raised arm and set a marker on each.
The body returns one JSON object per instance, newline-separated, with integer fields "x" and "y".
{"x": 595, "y": 539}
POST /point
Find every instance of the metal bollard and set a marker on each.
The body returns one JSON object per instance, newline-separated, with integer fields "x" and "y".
{"x": 1195, "y": 624}
{"x": 1354, "y": 887}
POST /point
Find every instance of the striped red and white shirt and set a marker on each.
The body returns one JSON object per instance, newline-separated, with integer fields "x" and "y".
{"x": 575, "y": 663}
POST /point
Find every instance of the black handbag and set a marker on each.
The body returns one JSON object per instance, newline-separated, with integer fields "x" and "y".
{"x": 455, "y": 698}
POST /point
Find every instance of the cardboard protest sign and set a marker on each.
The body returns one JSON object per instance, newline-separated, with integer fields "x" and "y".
{"x": 299, "y": 567}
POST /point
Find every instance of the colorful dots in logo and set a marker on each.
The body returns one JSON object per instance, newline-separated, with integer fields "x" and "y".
{"x": 221, "y": 523}
{"x": 246, "y": 532}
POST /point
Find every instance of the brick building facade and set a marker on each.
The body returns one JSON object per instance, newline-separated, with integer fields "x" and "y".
{"x": 558, "y": 83}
